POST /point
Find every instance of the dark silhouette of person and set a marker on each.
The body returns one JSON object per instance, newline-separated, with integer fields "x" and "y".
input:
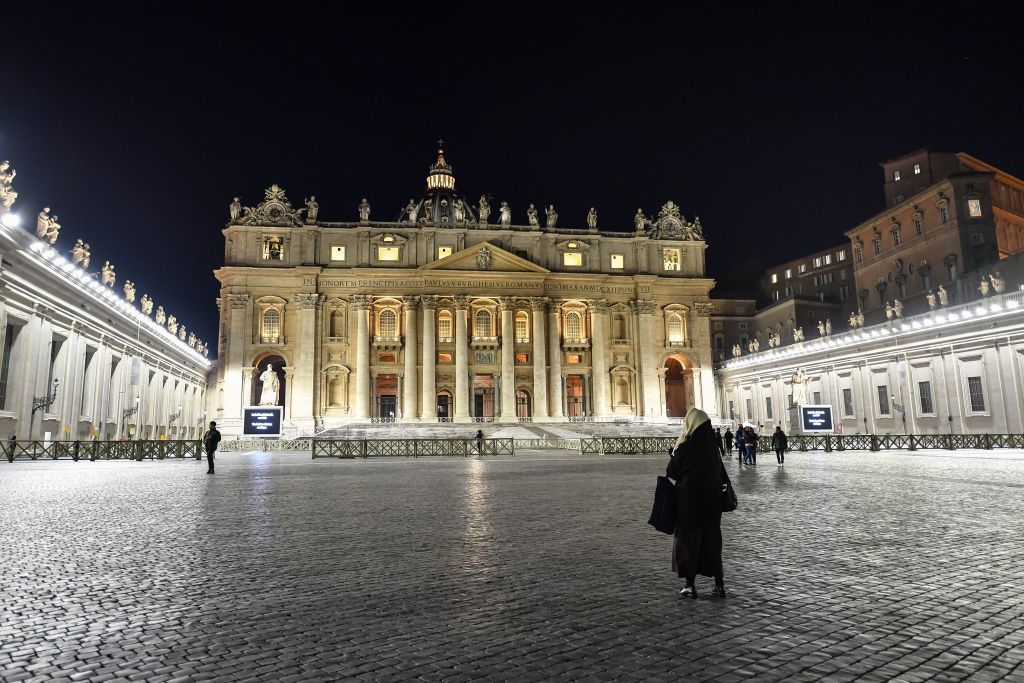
{"x": 210, "y": 440}
{"x": 479, "y": 441}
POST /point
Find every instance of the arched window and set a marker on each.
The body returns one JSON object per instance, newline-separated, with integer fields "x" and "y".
{"x": 271, "y": 325}
{"x": 522, "y": 326}
{"x": 573, "y": 325}
{"x": 387, "y": 324}
{"x": 675, "y": 328}
{"x": 482, "y": 324}
{"x": 444, "y": 325}
{"x": 619, "y": 326}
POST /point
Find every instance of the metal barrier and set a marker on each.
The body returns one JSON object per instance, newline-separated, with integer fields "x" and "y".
{"x": 246, "y": 445}
{"x": 101, "y": 450}
{"x": 411, "y": 448}
{"x": 548, "y": 444}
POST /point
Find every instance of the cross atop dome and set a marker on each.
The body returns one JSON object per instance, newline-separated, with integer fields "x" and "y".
{"x": 441, "y": 175}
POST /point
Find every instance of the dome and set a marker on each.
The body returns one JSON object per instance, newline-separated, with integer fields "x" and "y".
{"x": 441, "y": 205}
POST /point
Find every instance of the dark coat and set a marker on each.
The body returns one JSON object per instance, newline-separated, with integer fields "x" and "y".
{"x": 779, "y": 441}
{"x": 697, "y": 468}
{"x": 210, "y": 440}
{"x": 728, "y": 440}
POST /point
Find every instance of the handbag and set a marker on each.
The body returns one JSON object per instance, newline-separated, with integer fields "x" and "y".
{"x": 663, "y": 514}
{"x": 728, "y": 497}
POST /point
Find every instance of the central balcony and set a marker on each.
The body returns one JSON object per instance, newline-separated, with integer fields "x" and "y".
{"x": 484, "y": 342}
{"x": 579, "y": 344}
{"x": 381, "y": 342}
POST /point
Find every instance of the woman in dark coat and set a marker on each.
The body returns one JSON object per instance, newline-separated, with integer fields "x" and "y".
{"x": 699, "y": 474}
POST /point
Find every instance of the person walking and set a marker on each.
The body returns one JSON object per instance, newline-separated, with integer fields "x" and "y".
{"x": 728, "y": 441}
{"x": 479, "y": 442}
{"x": 699, "y": 475}
{"x": 12, "y": 447}
{"x": 210, "y": 440}
{"x": 750, "y": 445}
{"x": 779, "y": 443}
{"x": 721, "y": 444}
{"x": 740, "y": 449}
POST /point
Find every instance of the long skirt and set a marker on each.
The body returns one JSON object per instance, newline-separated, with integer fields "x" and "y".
{"x": 697, "y": 551}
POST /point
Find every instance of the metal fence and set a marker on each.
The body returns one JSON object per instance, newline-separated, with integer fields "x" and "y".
{"x": 101, "y": 450}
{"x": 247, "y": 445}
{"x": 895, "y": 442}
{"x": 411, "y": 448}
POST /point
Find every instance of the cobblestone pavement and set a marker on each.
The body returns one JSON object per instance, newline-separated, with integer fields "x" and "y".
{"x": 542, "y": 567}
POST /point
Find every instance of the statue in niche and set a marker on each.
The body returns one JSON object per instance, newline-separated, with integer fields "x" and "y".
{"x": 172, "y": 324}
{"x": 531, "y": 216}
{"x": 983, "y": 287}
{"x": 7, "y": 192}
{"x": 998, "y": 283}
{"x": 932, "y": 303}
{"x": 460, "y": 211}
{"x": 107, "y": 275}
{"x": 235, "y": 209}
{"x": 506, "y": 214}
{"x": 182, "y": 333}
{"x": 943, "y": 296}
{"x": 80, "y": 254}
{"x": 641, "y": 221}
{"x": 821, "y": 328}
{"x": 411, "y": 210}
{"x": 312, "y": 209}
{"x": 828, "y": 326}
{"x": 897, "y": 308}
{"x": 271, "y": 387}
{"x": 146, "y": 304}
{"x": 485, "y": 210}
{"x": 129, "y": 291}
{"x": 160, "y": 316}
{"x": 592, "y": 218}
{"x": 364, "y": 210}
{"x": 552, "y": 216}
{"x": 43, "y": 222}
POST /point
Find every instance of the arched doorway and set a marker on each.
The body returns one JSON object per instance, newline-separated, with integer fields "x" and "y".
{"x": 259, "y": 367}
{"x": 445, "y": 405}
{"x": 678, "y": 387}
{"x": 523, "y": 408}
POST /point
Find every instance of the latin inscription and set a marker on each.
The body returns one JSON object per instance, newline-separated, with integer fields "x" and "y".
{"x": 479, "y": 284}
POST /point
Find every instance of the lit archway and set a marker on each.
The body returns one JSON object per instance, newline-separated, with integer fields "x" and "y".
{"x": 259, "y": 365}
{"x": 678, "y": 386}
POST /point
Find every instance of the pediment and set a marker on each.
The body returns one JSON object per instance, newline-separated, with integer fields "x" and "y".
{"x": 485, "y": 258}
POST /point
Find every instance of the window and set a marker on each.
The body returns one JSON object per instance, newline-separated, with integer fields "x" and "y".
{"x": 271, "y": 331}
{"x": 844, "y": 292}
{"x": 273, "y": 249}
{"x": 775, "y": 295}
{"x": 858, "y": 253}
{"x": 951, "y": 270}
{"x": 387, "y": 324}
{"x": 789, "y": 291}
{"x": 977, "y": 393}
{"x": 883, "y": 400}
{"x": 671, "y": 259}
{"x": 5, "y": 363}
{"x": 482, "y": 323}
{"x": 572, "y": 258}
{"x": 896, "y": 237}
{"x": 618, "y": 262}
{"x": 864, "y": 300}
{"x": 522, "y": 326}
{"x": 876, "y": 244}
{"x": 337, "y": 252}
{"x": 675, "y": 329}
{"x": 522, "y": 358}
{"x": 924, "y": 391}
{"x": 789, "y": 273}
{"x": 768, "y": 407}
{"x": 817, "y": 262}
{"x": 444, "y": 358}
{"x": 572, "y": 358}
{"x": 775, "y": 278}
{"x": 828, "y": 259}
{"x": 387, "y": 253}
{"x": 803, "y": 268}
{"x": 442, "y": 252}
{"x": 817, "y": 398}
{"x": 917, "y": 169}
{"x": 572, "y": 325}
{"x": 918, "y": 226}
{"x": 974, "y": 208}
{"x": 444, "y": 325}
{"x": 847, "y": 402}
{"x": 750, "y": 410}
{"x": 842, "y": 274}
{"x": 943, "y": 214}
{"x": 841, "y": 255}
{"x": 896, "y": 176}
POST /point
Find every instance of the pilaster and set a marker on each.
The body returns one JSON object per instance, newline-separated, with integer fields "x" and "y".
{"x": 557, "y": 401}
{"x": 538, "y": 306}
{"x": 508, "y": 357}
{"x": 428, "y": 402}
{"x": 598, "y": 351}
{"x": 410, "y": 307}
{"x": 461, "y": 360}
{"x": 360, "y": 305}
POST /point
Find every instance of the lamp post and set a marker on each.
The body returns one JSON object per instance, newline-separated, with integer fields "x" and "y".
{"x": 42, "y": 403}
{"x": 901, "y": 410}
{"x": 128, "y": 412}
{"x": 173, "y": 418}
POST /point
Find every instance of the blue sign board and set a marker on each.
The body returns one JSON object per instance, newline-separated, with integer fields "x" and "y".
{"x": 262, "y": 421}
{"x": 816, "y": 419}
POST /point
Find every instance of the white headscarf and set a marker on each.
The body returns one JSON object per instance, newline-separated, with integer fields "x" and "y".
{"x": 694, "y": 418}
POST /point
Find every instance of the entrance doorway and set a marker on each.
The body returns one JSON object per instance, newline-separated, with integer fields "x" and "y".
{"x": 575, "y": 399}
{"x": 523, "y": 404}
{"x": 483, "y": 396}
{"x": 387, "y": 397}
{"x": 444, "y": 406}
{"x": 678, "y": 387}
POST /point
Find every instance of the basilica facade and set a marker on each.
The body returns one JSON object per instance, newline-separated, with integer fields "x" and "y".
{"x": 451, "y": 311}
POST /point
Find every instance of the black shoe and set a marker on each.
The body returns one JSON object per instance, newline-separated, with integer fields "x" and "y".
{"x": 718, "y": 591}
{"x": 689, "y": 592}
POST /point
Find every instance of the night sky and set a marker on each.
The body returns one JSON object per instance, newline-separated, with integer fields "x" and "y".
{"x": 138, "y": 126}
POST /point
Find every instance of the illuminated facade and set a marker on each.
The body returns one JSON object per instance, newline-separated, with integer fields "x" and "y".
{"x": 450, "y": 311}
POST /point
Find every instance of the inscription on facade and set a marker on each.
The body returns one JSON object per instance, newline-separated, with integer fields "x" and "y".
{"x": 479, "y": 284}
{"x": 484, "y": 357}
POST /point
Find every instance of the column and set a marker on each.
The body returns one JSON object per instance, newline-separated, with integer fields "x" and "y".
{"x": 461, "y": 360}
{"x": 706, "y": 387}
{"x": 660, "y": 409}
{"x": 410, "y": 304}
{"x": 588, "y": 395}
{"x": 540, "y": 384}
{"x": 237, "y": 337}
{"x": 598, "y": 357}
{"x": 360, "y": 307}
{"x": 305, "y": 371}
{"x": 247, "y": 374}
{"x": 289, "y": 392}
{"x": 508, "y": 361}
{"x": 400, "y": 399}
{"x": 649, "y": 381}
{"x": 557, "y": 404}
{"x": 428, "y": 403}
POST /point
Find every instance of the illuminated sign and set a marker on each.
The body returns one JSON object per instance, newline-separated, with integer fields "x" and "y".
{"x": 262, "y": 421}
{"x": 816, "y": 419}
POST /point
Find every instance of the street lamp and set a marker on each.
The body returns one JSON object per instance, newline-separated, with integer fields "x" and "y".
{"x": 901, "y": 410}
{"x": 128, "y": 412}
{"x": 41, "y": 403}
{"x": 174, "y": 417}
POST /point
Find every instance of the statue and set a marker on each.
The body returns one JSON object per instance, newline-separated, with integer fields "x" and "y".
{"x": 757, "y": 345}
{"x": 998, "y": 283}
{"x": 411, "y": 210}
{"x": 80, "y": 254}
{"x": 943, "y": 296}
{"x": 821, "y": 329}
{"x": 146, "y": 304}
{"x": 192, "y": 339}
{"x": 888, "y": 311}
{"x": 160, "y": 316}
{"x": 736, "y": 351}
{"x": 485, "y": 210}
{"x": 483, "y": 259}
{"x": 552, "y": 217}
{"x": 7, "y": 191}
{"x": 828, "y": 326}
{"x": 460, "y": 211}
{"x": 235, "y": 209}
{"x": 897, "y": 307}
{"x": 983, "y": 287}
{"x": 860, "y": 319}
{"x": 181, "y": 333}
{"x": 172, "y": 324}
{"x": 853, "y": 320}
{"x": 506, "y": 214}
{"x": 698, "y": 229}
{"x": 43, "y": 223}
{"x": 271, "y": 386}
{"x": 641, "y": 221}
{"x": 129, "y": 291}
{"x": 428, "y": 211}
{"x": 364, "y": 210}
{"x": 931, "y": 300}
{"x": 592, "y": 218}
{"x": 801, "y": 387}
{"x": 312, "y": 209}
{"x": 531, "y": 216}
{"x": 107, "y": 274}
{"x": 798, "y": 334}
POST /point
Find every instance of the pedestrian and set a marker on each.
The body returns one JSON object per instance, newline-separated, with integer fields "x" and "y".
{"x": 750, "y": 445}
{"x": 739, "y": 442}
{"x": 721, "y": 445}
{"x": 12, "y": 446}
{"x": 728, "y": 441}
{"x": 699, "y": 475}
{"x": 210, "y": 440}
{"x": 479, "y": 442}
{"x": 779, "y": 443}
